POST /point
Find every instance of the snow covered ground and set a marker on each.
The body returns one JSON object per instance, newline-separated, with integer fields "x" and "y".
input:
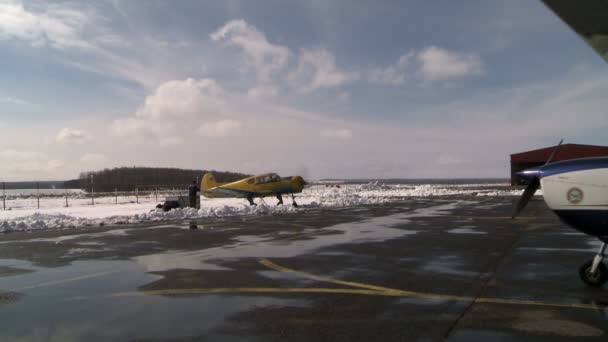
{"x": 24, "y": 215}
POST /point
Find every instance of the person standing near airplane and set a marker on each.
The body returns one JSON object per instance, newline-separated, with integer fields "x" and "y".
{"x": 193, "y": 190}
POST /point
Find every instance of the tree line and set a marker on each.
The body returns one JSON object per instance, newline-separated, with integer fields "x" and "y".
{"x": 144, "y": 178}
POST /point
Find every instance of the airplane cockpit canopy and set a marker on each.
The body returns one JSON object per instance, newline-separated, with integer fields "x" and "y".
{"x": 268, "y": 178}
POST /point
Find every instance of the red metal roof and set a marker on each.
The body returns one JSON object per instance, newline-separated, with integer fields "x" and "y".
{"x": 565, "y": 152}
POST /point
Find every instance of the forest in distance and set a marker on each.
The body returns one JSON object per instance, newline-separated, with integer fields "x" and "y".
{"x": 144, "y": 178}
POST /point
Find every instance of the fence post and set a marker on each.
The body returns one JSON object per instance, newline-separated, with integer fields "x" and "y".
{"x": 116, "y": 194}
{"x": 38, "y": 194}
{"x": 92, "y": 192}
{"x": 136, "y": 196}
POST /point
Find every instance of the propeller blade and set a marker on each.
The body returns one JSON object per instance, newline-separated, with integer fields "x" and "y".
{"x": 526, "y": 196}
{"x": 554, "y": 151}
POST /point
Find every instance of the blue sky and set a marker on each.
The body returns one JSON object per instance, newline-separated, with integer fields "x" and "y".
{"x": 323, "y": 88}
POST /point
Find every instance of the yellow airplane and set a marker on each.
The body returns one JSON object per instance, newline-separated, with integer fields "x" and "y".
{"x": 269, "y": 184}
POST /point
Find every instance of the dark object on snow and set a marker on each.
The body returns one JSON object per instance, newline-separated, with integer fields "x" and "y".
{"x": 168, "y": 205}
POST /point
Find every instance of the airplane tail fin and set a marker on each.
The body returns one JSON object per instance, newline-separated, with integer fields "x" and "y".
{"x": 208, "y": 182}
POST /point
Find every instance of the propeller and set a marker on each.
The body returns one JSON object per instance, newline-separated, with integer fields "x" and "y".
{"x": 534, "y": 184}
{"x": 527, "y": 195}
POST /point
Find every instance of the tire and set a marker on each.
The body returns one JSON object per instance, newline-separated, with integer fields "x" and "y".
{"x": 598, "y": 279}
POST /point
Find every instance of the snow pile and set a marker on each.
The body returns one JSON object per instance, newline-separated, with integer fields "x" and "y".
{"x": 374, "y": 186}
{"x": 24, "y": 214}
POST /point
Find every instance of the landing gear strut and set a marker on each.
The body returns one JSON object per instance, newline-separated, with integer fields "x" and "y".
{"x": 294, "y": 201}
{"x": 280, "y": 198}
{"x": 594, "y": 272}
{"x": 250, "y": 199}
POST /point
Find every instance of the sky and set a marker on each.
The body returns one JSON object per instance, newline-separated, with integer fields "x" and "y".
{"x": 324, "y": 89}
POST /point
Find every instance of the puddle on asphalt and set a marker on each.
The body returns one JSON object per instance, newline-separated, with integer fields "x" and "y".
{"x": 594, "y": 245}
{"x": 468, "y": 335}
{"x": 465, "y": 230}
{"x": 62, "y": 238}
{"x": 490, "y": 206}
{"x": 370, "y": 230}
{"x": 289, "y": 276}
{"x": 448, "y": 264}
{"x": 421, "y": 301}
{"x": 89, "y": 312}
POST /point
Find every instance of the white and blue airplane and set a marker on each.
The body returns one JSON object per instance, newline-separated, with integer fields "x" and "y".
{"x": 577, "y": 189}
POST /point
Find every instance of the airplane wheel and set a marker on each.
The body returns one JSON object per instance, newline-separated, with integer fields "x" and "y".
{"x": 598, "y": 279}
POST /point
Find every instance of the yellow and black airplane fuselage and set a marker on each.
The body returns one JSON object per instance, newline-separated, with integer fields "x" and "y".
{"x": 264, "y": 185}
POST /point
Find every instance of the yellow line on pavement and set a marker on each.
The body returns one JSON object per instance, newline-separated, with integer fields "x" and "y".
{"x": 255, "y": 290}
{"x": 404, "y": 293}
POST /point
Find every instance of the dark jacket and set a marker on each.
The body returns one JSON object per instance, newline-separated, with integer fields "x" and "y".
{"x": 192, "y": 190}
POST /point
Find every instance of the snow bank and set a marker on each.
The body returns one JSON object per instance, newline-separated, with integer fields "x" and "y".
{"x": 53, "y": 215}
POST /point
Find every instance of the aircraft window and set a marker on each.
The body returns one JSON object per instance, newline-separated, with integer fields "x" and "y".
{"x": 250, "y": 181}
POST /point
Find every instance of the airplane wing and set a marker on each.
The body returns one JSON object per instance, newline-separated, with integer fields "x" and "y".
{"x": 223, "y": 191}
{"x": 587, "y": 18}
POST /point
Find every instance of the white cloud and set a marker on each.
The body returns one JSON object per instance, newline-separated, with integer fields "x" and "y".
{"x": 221, "y": 128}
{"x": 341, "y": 133}
{"x": 317, "y": 69}
{"x": 93, "y": 158}
{"x": 442, "y": 64}
{"x": 169, "y": 141}
{"x": 56, "y": 25}
{"x": 262, "y": 92}
{"x": 174, "y": 110}
{"x": 264, "y": 57}
{"x": 392, "y": 74}
{"x": 72, "y": 136}
{"x": 55, "y": 164}
{"x": 20, "y": 163}
{"x": 13, "y": 100}
{"x": 182, "y": 99}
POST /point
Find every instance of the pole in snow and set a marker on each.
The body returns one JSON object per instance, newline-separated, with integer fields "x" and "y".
{"x": 38, "y": 194}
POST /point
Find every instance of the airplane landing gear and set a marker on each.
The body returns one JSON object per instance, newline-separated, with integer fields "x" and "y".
{"x": 280, "y": 198}
{"x": 294, "y": 201}
{"x": 594, "y": 272}
{"x": 250, "y": 199}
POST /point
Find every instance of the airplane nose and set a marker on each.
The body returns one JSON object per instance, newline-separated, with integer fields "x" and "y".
{"x": 530, "y": 173}
{"x": 300, "y": 181}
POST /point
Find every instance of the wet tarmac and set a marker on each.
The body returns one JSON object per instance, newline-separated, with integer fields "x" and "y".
{"x": 454, "y": 269}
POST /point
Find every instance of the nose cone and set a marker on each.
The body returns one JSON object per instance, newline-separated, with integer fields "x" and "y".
{"x": 298, "y": 183}
{"x": 530, "y": 173}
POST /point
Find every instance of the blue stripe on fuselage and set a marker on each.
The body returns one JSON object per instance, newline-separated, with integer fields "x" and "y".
{"x": 283, "y": 189}
{"x": 573, "y": 165}
{"x": 589, "y": 221}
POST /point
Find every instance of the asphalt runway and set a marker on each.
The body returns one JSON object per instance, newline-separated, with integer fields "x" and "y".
{"x": 449, "y": 268}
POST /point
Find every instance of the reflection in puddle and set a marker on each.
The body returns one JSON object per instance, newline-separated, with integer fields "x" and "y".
{"x": 465, "y": 230}
{"x": 62, "y": 238}
{"x": 448, "y": 264}
{"x": 370, "y": 230}
{"x": 89, "y": 312}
